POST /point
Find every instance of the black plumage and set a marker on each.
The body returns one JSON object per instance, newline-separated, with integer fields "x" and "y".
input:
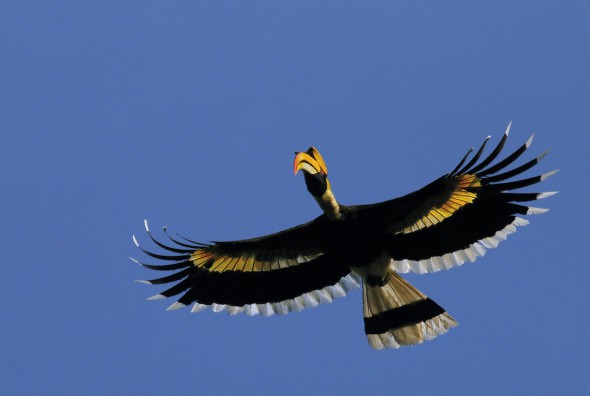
{"x": 451, "y": 220}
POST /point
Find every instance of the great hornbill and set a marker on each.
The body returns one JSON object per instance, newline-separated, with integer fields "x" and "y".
{"x": 450, "y": 221}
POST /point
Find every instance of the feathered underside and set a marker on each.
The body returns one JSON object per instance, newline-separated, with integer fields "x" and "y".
{"x": 261, "y": 279}
{"x": 456, "y": 218}
{"x": 452, "y": 220}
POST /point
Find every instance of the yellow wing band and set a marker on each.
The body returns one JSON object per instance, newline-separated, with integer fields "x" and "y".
{"x": 214, "y": 259}
{"x": 441, "y": 208}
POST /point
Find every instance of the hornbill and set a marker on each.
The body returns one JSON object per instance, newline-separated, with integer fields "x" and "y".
{"x": 450, "y": 221}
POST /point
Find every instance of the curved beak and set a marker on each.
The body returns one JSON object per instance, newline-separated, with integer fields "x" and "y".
{"x": 310, "y": 161}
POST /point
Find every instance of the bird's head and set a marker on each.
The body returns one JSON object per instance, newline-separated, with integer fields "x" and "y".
{"x": 315, "y": 171}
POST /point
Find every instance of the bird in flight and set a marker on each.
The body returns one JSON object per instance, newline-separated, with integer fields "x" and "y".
{"x": 450, "y": 221}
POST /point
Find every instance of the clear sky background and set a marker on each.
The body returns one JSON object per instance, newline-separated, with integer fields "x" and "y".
{"x": 188, "y": 114}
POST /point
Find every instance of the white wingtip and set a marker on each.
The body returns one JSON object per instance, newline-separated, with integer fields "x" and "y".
{"x": 198, "y": 307}
{"x": 175, "y": 306}
{"x": 135, "y": 261}
{"x": 508, "y": 128}
{"x": 528, "y": 142}
{"x": 145, "y": 224}
{"x": 145, "y": 282}
{"x": 156, "y": 297}
{"x": 520, "y": 222}
{"x": 540, "y": 157}
{"x": 534, "y": 211}
{"x": 547, "y": 175}
{"x": 546, "y": 194}
{"x": 135, "y": 240}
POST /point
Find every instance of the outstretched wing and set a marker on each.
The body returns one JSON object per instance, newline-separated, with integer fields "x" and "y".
{"x": 457, "y": 217}
{"x": 273, "y": 274}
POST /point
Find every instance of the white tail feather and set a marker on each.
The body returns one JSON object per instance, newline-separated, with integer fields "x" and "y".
{"x": 398, "y": 314}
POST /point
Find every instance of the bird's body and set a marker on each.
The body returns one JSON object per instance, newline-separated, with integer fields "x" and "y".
{"x": 448, "y": 222}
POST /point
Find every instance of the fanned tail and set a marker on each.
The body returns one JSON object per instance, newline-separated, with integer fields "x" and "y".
{"x": 397, "y": 314}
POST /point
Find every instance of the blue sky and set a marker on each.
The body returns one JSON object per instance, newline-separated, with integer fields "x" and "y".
{"x": 188, "y": 114}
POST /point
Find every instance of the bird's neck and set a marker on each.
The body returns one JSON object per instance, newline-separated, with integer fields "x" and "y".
{"x": 329, "y": 205}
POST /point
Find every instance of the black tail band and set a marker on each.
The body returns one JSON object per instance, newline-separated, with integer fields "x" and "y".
{"x": 406, "y": 315}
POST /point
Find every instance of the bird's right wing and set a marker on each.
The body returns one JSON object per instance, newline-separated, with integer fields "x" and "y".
{"x": 457, "y": 217}
{"x": 274, "y": 274}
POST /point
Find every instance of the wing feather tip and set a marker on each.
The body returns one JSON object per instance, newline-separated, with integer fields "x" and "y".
{"x": 547, "y": 175}
{"x": 543, "y": 155}
{"x": 176, "y": 306}
{"x": 546, "y": 194}
{"x": 197, "y": 307}
{"x": 535, "y": 211}
{"x": 520, "y": 222}
{"x": 135, "y": 261}
{"x": 528, "y": 142}
{"x": 508, "y": 128}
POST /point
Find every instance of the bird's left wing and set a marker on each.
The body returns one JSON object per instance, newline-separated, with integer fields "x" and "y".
{"x": 274, "y": 274}
{"x": 458, "y": 216}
